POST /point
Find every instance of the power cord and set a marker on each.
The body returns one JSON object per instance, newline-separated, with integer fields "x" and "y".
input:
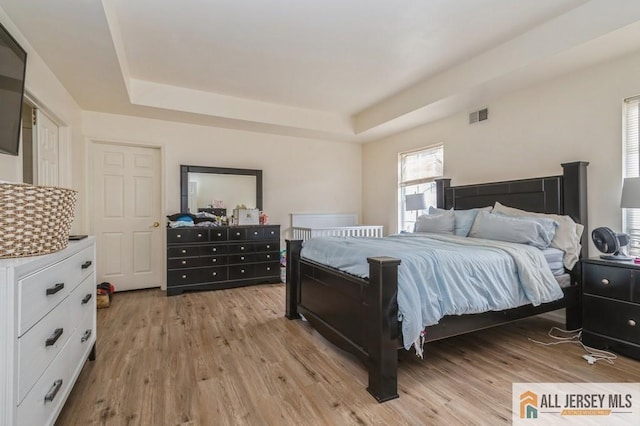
{"x": 592, "y": 356}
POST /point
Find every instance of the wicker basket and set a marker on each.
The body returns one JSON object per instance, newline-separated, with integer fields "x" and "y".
{"x": 34, "y": 220}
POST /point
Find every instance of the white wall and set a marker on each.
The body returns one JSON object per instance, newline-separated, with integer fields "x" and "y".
{"x": 299, "y": 175}
{"x": 42, "y": 86}
{"x": 528, "y": 134}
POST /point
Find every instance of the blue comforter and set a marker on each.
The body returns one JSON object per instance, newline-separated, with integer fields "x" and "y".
{"x": 445, "y": 275}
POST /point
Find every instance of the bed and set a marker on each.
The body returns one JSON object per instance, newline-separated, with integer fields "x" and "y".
{"x": 310, "y": 225}
{"x": 361, "y": 315}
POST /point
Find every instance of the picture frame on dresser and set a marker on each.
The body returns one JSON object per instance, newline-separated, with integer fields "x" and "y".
{"x": 47, "y": 330}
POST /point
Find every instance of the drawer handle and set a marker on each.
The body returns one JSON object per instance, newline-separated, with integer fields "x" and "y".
{"x": 56, "y": 288}
{"x": 85, "y": 336}
{"x": 268, "y": 246}
{"x": 242, "y": 271}
{"x": 86, "y": 264}
{"x": 214, "y": 274}
{"x": 179, "y": 236}
{"x": 199, "y": 235}
{"x": 268, "y": 268}
{"x": 631, "y": 322}
{"x": 241, "y": 257}
{"x": 86, "y": 299}
{"x": 255, "y": 232}
{"x": 54, "y": 337}
{"x": 184, "y": 262}
{"x": 214, "y": 260}
{"x": 273, "y": 232}
{"x": 53, "y": 391}
{"x": 184, "y": 276}
{"x": 242, "y": 248}
{"x": 268, "y": 256}
{"x": 237, "y": 234}
{"x": 219, "y": 234}
{"x": 214, "y": 249}
{"x": 605, "y": 281}
{"x": 184, "y": 251}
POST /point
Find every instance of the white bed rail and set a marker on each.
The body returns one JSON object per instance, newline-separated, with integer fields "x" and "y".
{"x": 309, "y": 225}
{"x": 300, "y": 233}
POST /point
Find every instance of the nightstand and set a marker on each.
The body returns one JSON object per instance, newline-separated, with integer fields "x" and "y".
{"x": 611, "y": 306}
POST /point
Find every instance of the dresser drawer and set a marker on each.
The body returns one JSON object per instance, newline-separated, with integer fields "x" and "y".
{"x": 241, "y": 248}
{"x": 241, "y": 258}
{"x": 183, "y": 251}
{"x": 218, "y": 235}
{"x": 213, "y": 260}
{"x": 237, "y": 234}
{"x": 620, "y": 320}
{"x": 608, "y": 281}
{"x": 267, "y": 269}
{"x": 267, "y": 257}
{"x": 41, "y": 344}
{"x": 43, "y": 401}
{"x": 40, "y": 292}
{"x": 240, "y": 272}
{"x": 212, "y": 250}
{"x": 268, "y": 246}
{"x": 196, "y": 275}
{"x": 264, "y": 233}
{"x": 184, "y": 262}
{"x": 183, "y": 235}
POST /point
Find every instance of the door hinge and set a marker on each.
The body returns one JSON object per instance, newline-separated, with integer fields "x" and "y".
{"x": 34, "y": 121}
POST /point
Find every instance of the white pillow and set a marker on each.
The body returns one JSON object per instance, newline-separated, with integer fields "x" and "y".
{"x": 441, "y": 223}
{"x": 520, "y": 230}
{"x": 567, "y": 237}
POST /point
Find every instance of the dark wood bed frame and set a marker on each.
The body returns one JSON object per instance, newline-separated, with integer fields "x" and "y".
{"x": 360, "y": 315}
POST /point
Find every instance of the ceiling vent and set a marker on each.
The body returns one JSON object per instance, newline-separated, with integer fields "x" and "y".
{"x": 480, "y": 115}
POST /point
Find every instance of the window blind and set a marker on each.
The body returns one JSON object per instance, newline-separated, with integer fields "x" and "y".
{"x": 631, "y": 162}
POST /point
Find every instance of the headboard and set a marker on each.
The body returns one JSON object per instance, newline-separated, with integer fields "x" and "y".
{"x": 564, "y": 194}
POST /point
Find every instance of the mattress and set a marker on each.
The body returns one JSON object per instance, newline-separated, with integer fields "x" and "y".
{"x": 554, "y": 257}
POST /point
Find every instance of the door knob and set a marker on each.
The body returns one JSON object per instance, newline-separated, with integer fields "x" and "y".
{"x": 156, "y": 224}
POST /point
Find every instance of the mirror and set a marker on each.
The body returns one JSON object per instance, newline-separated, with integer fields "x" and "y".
{"x": 205, "y": 187}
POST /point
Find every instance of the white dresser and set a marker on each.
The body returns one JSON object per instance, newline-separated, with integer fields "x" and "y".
{"x": 47, "y": 331}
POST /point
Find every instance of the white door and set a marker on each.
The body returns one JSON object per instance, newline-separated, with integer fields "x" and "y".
{"x": 126, "y": 215}
{"x": 47, "y": 150}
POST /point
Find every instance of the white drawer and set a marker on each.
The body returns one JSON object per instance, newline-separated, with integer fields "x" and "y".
{"x": 58, "y": 280}
{"x": 40, "y": 345}
{"x": 54, "y": 383}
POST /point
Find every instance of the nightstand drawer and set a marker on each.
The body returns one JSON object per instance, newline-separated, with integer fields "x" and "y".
{"x": 608, "y": 281}
{"x": 620, "y": 320}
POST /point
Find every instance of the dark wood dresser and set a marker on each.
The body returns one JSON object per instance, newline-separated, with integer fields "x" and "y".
{"x": 611, "y": 306}
{"x": 200, "y": 258}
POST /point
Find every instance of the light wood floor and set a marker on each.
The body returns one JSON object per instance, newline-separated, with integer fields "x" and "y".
{"x": 231, "y": 358}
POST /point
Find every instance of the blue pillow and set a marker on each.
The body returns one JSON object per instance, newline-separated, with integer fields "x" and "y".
{"x": 549, "y": 226}
{"x": 441, "y": 223}
{"x": 514, "y": 230}
{"x": 464, "y": 219}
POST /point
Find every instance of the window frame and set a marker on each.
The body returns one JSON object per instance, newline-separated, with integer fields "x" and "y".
{"x": 631, "y": 168}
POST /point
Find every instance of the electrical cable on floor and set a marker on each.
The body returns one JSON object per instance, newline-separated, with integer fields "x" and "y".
{"x": 592, "y": 355}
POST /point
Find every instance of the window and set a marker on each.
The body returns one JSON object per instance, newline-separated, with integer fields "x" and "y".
{"x": 631, "y": 158}
{"x": 417, "y": 171}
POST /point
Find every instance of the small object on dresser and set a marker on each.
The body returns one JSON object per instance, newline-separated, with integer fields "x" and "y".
{"x": 246, "y": 216}
{"x": 264, "y": 219}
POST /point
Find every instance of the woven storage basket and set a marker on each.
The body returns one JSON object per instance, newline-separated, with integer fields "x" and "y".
{"x": 34, "y": 220}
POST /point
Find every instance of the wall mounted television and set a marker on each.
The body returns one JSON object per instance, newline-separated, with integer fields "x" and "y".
{"x": 13, "y": 64}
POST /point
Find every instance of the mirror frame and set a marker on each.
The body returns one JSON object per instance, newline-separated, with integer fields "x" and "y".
{"x": 184, "y": 182}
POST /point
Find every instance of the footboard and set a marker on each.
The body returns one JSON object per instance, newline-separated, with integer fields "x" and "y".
{"x": 359, "y": 316}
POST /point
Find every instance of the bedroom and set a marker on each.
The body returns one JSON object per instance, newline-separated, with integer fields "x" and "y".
{"x": 569, "y": 113}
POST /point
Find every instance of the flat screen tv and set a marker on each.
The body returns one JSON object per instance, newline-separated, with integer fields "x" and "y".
{"x": 13, "y": 61}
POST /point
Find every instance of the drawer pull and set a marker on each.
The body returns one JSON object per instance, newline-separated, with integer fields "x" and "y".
{"x": 268, "y": 246}
{"x": 56, "y": 288}
{"x": 54, "y": 337}
{"x": 85, "y": 336}
{"x": 86, "y": 299}
{"x": 273, "y": 232}
{"x": 179, "y": 236}
{"x": 184, "y": 262}
{"x": 605, "y": 281}
{"x": 53, "y": 391}
{"x": 237, "y": 234}
{"x": 219, "y": 234}
{"x": 241, "y": 257}
{"x": 268, "y": 268}
{"x": 86, "y": 264}
{"x": 242, "y": 248}
{"x": 199, "y": 235}
{"x": 242, "y": 271}
{"x": 184, "y": 276}
{"x": 268, "y": 256}
{"x": 255, "y": 232}
{"x": 214, "y": 249}
{"x": 631, "y": 322}
{"x": 184, "y": 251}
{"x": 214, "y": 260}
{"x": 214, "y": 274}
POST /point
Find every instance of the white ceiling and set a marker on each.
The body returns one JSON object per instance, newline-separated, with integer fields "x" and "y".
{"x": 352, "y": 70}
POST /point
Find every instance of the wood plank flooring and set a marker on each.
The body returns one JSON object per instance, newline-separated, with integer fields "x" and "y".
{"x": 230, "y": 357}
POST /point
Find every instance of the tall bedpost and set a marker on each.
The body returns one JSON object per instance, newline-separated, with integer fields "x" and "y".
{"x": 382, "y": 327}
{"x": 293, "y": 279}
{"x": 442, "y": 185}
{"x": 575, "y": 198}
